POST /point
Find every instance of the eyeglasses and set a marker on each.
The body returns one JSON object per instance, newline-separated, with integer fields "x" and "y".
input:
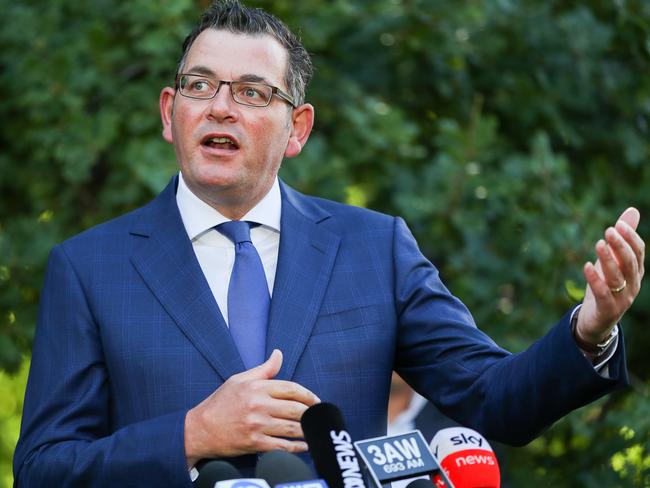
{"x": 249, "y": 93}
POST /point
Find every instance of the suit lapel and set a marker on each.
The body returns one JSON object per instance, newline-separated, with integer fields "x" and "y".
{"x": 165, "y": 259}
{"x": 305, "y": 261}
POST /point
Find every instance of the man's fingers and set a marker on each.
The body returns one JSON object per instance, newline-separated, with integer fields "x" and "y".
{"x": 284, "y": 428}
{"x": 270, "y": 443}
{"x": 288, "y": 390}
{"x": 603, "y": 309}
{"x": 624, "y": 256}
{"x": 634, "y": 240}
{"x": 631, "y": 217}
{"x": 609, "y": 265}
{"x": 598, "y": 285}
{"x": 287, "y": 409}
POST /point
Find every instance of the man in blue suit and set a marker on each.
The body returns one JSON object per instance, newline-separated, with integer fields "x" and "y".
{"x": 137, "y": 372}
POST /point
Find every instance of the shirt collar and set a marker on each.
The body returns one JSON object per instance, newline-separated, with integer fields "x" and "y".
{"x": 199, "y": 217}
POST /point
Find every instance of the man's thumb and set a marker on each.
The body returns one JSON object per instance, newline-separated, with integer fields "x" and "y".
{"x": 268, "y": 369}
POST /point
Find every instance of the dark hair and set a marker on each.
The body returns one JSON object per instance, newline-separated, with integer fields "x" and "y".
{"x": 232, "y": 16}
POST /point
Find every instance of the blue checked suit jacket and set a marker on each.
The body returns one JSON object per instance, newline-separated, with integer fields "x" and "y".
{"x": 129, "y": 338}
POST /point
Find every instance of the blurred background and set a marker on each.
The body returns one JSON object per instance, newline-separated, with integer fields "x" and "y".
{"x": 507, "y": 133}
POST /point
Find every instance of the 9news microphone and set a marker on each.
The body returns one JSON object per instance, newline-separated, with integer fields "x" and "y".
{"x": 285, "y": 470}
{"x": 466, "y": 457}
{"x": 331, "y": 447}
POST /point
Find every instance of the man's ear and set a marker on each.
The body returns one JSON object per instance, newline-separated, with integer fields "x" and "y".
{"x": 166, "y": 111}
{"x": 302, "y": 121}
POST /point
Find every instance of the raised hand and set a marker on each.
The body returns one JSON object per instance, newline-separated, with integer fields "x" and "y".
{"x": 614, "y": 281}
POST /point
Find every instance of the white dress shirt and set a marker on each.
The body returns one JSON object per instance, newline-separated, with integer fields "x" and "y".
{"x": 215, "y": 252}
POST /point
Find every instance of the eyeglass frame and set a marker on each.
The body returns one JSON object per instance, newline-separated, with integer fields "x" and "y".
{"x": 274, "y": 90}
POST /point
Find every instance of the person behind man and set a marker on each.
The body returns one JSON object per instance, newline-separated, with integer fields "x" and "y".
{"x": 204, "y": 324}
{"x": 408, "y": 410}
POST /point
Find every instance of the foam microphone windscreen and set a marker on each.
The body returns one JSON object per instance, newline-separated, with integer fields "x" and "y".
{"x": 331, "y": 446}
{"x": 213, "y": 470}
{"x": 420, "y": 483}
{"x": 466, "y": 457}
{"x": 277, "y": 467}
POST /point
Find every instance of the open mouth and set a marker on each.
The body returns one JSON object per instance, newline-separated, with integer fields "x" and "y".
{"x": 220, "y": 142}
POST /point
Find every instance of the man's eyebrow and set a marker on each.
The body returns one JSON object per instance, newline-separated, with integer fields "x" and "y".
{"x": 253, "y": 78}
{"x": 205, "y": 71}
{"x": 201, "y": 70}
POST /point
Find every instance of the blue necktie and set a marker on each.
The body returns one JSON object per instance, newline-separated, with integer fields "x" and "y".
{"x": 248, "y": 295}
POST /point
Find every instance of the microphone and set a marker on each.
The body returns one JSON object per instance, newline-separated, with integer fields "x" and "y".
{"x": 242, "y": 483}
{"x": 420, "y": 483}
{"x": 466, "y": 457}
{"x": 212, "y": 471}
{"x": 331, "y": 447}
{"x": 400, "y": 459}
{"x": 285, "y": 470}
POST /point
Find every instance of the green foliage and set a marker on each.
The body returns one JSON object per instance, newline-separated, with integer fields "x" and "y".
{"x": 508, "y": 133}
{"x": 12, "y": 388}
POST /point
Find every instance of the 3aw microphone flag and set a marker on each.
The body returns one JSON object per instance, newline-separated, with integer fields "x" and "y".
{"x": 393, "y": 458}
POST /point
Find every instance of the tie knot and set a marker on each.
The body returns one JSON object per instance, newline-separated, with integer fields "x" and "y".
{"x": 237, "y": 231}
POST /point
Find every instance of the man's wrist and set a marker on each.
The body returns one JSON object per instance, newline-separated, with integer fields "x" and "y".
{"x": 190, "y": 457}
{"x": 592, "y": 350}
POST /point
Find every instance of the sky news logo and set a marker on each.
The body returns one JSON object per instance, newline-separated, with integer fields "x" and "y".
{"x": 472, "y": 459}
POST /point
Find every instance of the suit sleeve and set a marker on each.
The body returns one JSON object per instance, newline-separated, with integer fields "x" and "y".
{"x": 66, "y": 435}
{"x": 507, "y": 397}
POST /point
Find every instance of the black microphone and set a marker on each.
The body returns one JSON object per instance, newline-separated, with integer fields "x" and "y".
{"x": 331, "y": 446}
{"x": 420, "y": 483}
{"x": 279, "y": 467}
{"x": 213, "y": 470}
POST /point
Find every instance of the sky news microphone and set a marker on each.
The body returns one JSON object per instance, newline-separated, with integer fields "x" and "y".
{"x": 282, "y": 469}
{"x": 331, "y": 446}
{"x": 466, "y": 457}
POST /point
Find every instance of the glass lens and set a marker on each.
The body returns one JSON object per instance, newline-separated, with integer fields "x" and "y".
{"x": 248, "y": 93}
{"x": 196, "y": 86}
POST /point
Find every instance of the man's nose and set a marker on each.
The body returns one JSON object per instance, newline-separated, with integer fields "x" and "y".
{"x": 222, "y": 106}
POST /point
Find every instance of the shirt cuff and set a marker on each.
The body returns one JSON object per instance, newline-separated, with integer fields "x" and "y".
{"x": 602, "y": 366}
